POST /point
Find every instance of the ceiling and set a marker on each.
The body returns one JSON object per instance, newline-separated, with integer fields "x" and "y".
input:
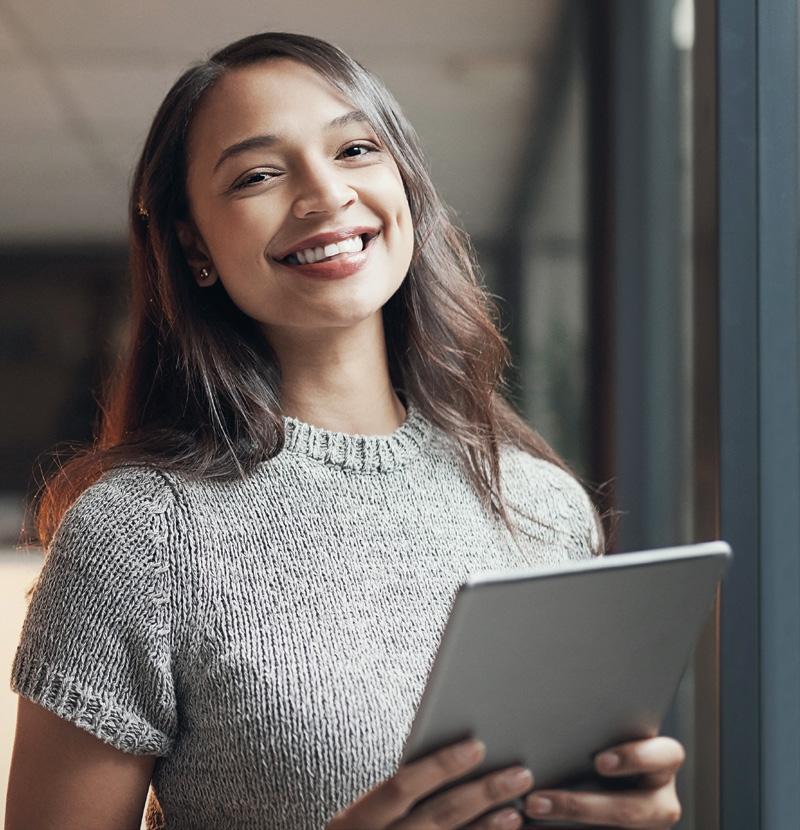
{"x": 81, "y": 79}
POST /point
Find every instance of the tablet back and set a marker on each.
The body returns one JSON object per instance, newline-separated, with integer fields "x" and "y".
{"x": 550, "y": 666}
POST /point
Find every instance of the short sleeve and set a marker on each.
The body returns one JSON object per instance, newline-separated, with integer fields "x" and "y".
{"x": 95, "y": 647}
{"x": 550, "y": 505}
{"x": 587, "y": 529}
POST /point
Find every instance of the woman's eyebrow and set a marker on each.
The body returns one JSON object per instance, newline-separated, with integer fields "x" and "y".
{"x": 259, "y": 142}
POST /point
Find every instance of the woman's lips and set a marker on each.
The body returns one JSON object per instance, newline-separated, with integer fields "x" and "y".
{"x": 337, "y": 267}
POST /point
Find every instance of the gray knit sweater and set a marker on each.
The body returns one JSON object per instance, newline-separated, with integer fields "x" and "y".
{"x": 269, "y": 638}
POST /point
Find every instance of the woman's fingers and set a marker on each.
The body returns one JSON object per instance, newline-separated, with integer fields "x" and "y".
{"x": 507, "y": 819}
{"x": 395, "y": 803}
{"x": 655, "y": 759}
{"x": 393, "y": 798}
{"x": 637, "y": 810}
{"x": 655, "y": 805}
{"x": 466, "y": 802}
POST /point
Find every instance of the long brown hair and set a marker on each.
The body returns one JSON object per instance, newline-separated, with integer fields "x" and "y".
{"x": 198, "y": 389}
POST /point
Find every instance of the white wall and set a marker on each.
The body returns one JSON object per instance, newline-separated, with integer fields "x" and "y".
{"x": 17, "y": 572}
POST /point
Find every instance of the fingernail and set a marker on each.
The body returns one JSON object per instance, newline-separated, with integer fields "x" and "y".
{"x": 507, "y": 820}
{"x": 539, "y": 804}
{"x": 608, "y": 761}
{"x": 520, "y": 778}
{"x": 471, "y": 750}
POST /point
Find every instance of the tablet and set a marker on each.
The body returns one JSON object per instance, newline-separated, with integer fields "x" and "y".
{"x": 550, "y": 666}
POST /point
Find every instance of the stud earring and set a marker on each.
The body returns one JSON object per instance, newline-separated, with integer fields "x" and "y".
{"x": 204, "y": 274}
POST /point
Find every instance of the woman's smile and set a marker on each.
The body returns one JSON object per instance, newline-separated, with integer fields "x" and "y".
{"x": 332, "y": 260}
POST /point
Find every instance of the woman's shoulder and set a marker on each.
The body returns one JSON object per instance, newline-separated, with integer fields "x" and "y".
{"x": 537, "y": 487}
{"x": 130, "y": 481}
{"x": 519, "y": 463}
{"x": 125, "y": 502}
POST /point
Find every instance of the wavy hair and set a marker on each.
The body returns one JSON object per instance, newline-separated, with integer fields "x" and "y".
{"x": 197, "y": 390}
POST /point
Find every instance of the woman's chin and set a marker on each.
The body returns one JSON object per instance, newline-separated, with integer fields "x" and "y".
{"x": 357, "y": 305}
{"x": 347, "y": 315}
{"x": 354, "y": 315}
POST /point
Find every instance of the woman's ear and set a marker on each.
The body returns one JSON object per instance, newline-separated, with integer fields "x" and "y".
{"x": 196, "y": 253}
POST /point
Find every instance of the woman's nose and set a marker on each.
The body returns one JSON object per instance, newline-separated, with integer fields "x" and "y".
{"x": 323, "y": 190}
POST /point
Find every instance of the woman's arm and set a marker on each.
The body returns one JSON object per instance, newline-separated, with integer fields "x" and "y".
{"x": 63, "y": 778}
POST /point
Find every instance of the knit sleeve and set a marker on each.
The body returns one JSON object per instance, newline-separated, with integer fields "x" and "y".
{"x": 549, "y": 504}
{"x": 587, "y": 529}
{"x": 95, "y": 647}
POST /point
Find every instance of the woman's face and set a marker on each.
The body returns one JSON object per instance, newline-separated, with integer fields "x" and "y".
{"x": 276, "y": 157}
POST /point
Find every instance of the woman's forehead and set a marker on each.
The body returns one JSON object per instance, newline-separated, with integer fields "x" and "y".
{"x": 266, "y": 93}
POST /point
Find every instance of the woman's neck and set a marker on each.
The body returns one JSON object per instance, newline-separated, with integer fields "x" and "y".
{"x": 338, "y": 378}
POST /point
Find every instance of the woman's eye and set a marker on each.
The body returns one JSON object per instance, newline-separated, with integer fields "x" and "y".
{"x": 360, "y": 149}
{"x": 251, "y": 179}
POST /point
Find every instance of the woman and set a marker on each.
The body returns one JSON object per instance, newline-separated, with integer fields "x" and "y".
{"x": 305, "y": 453}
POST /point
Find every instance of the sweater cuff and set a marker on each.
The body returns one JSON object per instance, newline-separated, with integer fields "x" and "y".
{"x": 97, "y": 714}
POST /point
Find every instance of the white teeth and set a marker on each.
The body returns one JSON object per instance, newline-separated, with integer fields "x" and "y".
{"x": 352, "y": 244}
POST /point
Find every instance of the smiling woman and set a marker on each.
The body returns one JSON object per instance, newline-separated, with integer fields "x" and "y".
{"x": 305, "y": 452}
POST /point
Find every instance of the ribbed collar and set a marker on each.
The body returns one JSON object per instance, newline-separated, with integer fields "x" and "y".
{"x": 360, "y": 453}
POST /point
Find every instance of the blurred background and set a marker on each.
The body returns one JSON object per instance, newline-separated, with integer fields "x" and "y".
{"x": 627, "y": 170}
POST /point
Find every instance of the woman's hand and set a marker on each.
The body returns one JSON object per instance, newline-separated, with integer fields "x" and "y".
{"x": 653, "y": 805}
{"x": 394, "y": 803}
